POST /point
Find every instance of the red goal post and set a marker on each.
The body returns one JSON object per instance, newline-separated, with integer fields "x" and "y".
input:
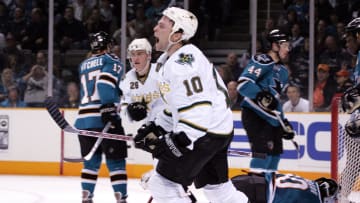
{"x": 345, "y": 155}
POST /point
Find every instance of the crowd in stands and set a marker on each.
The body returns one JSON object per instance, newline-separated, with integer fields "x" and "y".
{"x": 24, "y": 26}
{"x": 335, "y": 52}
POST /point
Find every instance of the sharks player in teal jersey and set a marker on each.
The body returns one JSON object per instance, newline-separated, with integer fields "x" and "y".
{"x": 353, "y": 28}
{"x": 100, "y": 75}
{"x": 261, "y": 84}
{"x": 286, "y": 188}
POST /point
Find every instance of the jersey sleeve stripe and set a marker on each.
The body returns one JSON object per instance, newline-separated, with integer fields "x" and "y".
{"x": 196, "y": 104}
{"x": 192, "y": 125}
{"x": 109, "y": 78}
{"x": 89, "y": 110}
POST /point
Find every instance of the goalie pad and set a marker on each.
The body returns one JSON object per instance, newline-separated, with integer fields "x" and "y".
{"x": 254, "y": 186}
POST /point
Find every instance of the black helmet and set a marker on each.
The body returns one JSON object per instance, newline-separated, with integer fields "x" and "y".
{"x": 99, "y": 41}
{"x": 277, "y": 36}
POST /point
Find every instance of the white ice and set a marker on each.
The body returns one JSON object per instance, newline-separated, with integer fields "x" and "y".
{"x": 66, "y": 189}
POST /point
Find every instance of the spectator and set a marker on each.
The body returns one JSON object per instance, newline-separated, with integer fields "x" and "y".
{"x": 4, "y": 18}
{"x": 225, "y": 73}
{"x": 296, "y": 39}
{"x": 106, "y": 13}
{"x": 95, "y": 22}
{"x": 58, "y": 83}
{"x": 299, "y": 66}
{"x": 340, "y": 30}
{"x": 36, "y": 86}
{"x": 269, "y": 25}
{"x": 235, "y": 97}
{"x": 343, "y": 81}
{"x": 70, "y": 33}
{"x": 81, "y": 10}
{"x": 7, "y": 80}
{"x": 288, "y": 22}
{"x": 325, "y": 88}
{"x": 140, "y": 26}
{"x": 295, "y": 103}
{"x": 36, "y": 32}
{"x": 13, "y": 99}
{"x": 12, "y": 48}
{"x": 72, "y": 97}
{"x": 233, "y": 65}
{"x": 333, "y": 54}
{"x": 18, "y": 25}
{"x": 301, "y": 9}
{"x": 154, "y": 12}
{"x": 320, "y": 35}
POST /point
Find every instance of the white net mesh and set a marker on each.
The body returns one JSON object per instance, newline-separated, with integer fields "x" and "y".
{"x": 348, "y": 163}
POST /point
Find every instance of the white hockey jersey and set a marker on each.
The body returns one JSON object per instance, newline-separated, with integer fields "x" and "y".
{"x": 136, "y": 91}
{"x": 195, "y": 94}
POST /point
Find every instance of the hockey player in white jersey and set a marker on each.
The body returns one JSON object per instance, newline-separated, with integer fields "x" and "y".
{"x": 141, "y": 95}
{"x": 196, "y": 148}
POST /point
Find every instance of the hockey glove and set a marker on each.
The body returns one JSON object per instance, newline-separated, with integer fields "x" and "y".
{"x": 172, "y": 146}
{"x": 137, "y": 111}
{"x": 109, "y": 114}
{"x": 288, "y": 133}
{"x": 266, "y": 101}
{"x": 147, "y": 137}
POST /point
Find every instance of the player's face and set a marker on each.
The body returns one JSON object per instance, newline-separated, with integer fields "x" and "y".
{"x": 285, "y": 47}
{"x": 139, "y": 60}
{"x": 162, "y": 33}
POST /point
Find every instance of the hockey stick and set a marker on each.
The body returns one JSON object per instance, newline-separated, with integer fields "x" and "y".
{"x": 93, "y": 149}
{"x": 233, "y": 152}
{"x": 55, "y": 114}
{"x": 277, "y": 113}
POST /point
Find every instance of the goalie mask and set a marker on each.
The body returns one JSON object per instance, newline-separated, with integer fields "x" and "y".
{"x": 328, "y": 190}
{"x": 350, "y": 100}
{"x": 99, "y": 41}
{"x": 184, "y": 21}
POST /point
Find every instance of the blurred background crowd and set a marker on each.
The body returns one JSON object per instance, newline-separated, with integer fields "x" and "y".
{"x": 223, "y": 34}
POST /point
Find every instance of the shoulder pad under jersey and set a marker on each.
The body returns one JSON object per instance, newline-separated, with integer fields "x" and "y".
{"x": 263, "y": 59}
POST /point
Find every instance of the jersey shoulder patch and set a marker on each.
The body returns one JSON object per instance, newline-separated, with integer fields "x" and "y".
{"x": 185, "y": 59}
{"x": 263, "y": 59}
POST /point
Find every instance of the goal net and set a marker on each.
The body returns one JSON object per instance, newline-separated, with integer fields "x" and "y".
{"x": 345, "y": 156}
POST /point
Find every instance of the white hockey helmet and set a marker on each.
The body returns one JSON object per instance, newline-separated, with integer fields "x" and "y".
{"x": 139, "y": 44}
{"x": 184, "y": 20}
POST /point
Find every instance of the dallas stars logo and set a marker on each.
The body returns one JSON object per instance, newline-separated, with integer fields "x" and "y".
{"x": 185, "y": 59}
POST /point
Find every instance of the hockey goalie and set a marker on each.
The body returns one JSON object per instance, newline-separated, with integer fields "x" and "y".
{"x": 350, "y": 176}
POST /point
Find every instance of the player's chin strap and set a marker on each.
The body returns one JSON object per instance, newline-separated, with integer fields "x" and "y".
{"x": 171, "y": 43}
